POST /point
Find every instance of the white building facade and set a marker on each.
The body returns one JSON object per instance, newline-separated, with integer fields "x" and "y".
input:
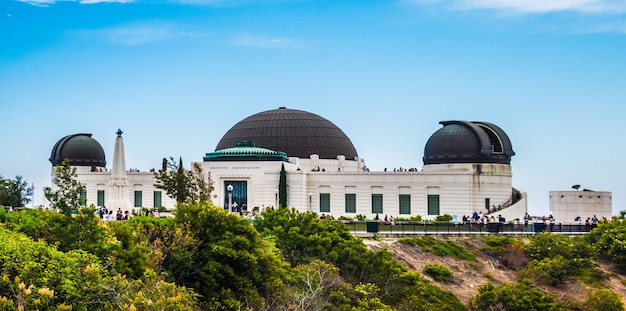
{"x": 466, "y": 168}
{"x": 569, "y": 206}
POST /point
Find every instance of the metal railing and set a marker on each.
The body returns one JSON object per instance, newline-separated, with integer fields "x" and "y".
{"x": 413, "y": 227}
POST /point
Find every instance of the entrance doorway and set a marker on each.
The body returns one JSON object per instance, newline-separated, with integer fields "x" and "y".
{"x": 239, "y": 195}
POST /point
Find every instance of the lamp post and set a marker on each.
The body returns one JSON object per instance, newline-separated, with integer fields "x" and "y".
{"x": 229, "y": 188}
{"x": 275, "y": 198}
{"x": 310, "y": 202}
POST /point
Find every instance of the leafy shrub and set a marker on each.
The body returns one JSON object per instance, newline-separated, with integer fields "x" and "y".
{"x": 438, "y": 272}
{"x": 548, "y": 271}
{"x": 439, "y": 248}
{"x": 75, "y": 281}
{"x": 555, "y": 256}
{"x": 520, "y": 296}
{"x": 608, "y": 239}
{"x": 605, "y": 300}
{"x": 415, "y": 218}
{"x": 496, "y": 243}
{"x": 360, "y": 217}
{"x": 303, "y": 237}
{"x": 444, "y": 217}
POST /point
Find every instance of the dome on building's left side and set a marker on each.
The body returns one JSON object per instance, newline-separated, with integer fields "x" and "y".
{"x": 79, "y": 149}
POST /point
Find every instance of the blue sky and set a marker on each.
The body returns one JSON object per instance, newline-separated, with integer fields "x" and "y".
{"x": 176, "y": 75}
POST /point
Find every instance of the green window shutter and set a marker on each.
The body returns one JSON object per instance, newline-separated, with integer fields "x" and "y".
{"x": 377, "y": 203}
{"x": 158, "y": 199}
{"x": 138, "y": 199}
{"x": 433, "y": 204}
{"x": 83, "y": 198}
{"x": 324, "y": 202}
{"x": 100, "y": 197}
{"x": 405, "y": 204}
{"x": 350, "y": 203}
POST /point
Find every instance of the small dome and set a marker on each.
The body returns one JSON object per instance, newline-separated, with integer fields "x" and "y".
{"x": 468, "y": 142}
{"x": 245, "y": 151}
{"x": 295, "y": 132}
{"x": 79, "y": 149}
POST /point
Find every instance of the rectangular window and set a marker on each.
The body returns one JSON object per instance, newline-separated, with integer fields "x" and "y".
{"x": 350, "y": 203}
{"x": 100, "y": 197}
{"x": 157, "y": 199}
{"x": 433, "y": 204}
{"x": 405, "y": 204}
{"x": 138, "y": 199}
{"x": 377, "y": 203}
{"x": 83, "y": 198}
{"x": 487, "y": 202}
{"x": 324, "y": 202}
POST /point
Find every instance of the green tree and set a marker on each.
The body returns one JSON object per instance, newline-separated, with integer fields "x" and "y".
{"x": 184, "y": 185}
{"x": 15, "y": 192}
{"x": 66, "y": 198}
{"x": 282, "y": 187}
{"x": 303, "y": 238}
{"x": 233, "y": 267}
{"x": 603, "y": 300}
{"x": 608, "y": 239}
{"x": 37, "y": 276}
{"x": 520, "y": 296}
{"x": 553, "y": 257}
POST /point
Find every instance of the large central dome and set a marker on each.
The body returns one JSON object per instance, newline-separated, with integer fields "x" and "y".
{"x": 297, "y": 133}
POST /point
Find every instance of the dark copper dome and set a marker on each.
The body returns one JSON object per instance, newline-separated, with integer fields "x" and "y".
{"x": 79, "y": 149}
{"x": 297, "y": 133}
{"x": 468, "y": 142}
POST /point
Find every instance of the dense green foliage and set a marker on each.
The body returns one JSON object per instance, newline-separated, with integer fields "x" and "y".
{"x": 287, "y": 260}
{"x": 609, "y": 240}
{"x": 438, "y": 272}
{"x": 66, "y": 197}
{"x": 603, "y": 300}
{"x": 553, "y": 257}
{"x": 446, "y": 248}
{"x": 75, "y": 279}
{"x": 303, "y": 238}
{"x": 232, "y": 264}
{"x": 513, "y": 297}
{"x": 15, "y": 192}
{"x": 184, "y": 185}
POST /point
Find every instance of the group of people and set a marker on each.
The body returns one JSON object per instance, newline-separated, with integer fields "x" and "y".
{"x": 589, "y": 222}
{"x": 107, "y": 215}
{"x": 480, "y": 218}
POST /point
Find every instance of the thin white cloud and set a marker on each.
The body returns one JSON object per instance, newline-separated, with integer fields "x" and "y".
{"x": 535, "y": 6}
{"x": 105, "y": 1}
{"x": 46, "y": 3}
{"x": 40, "y": 3}
{"x": 267, "y": 42}
{"x": 141, "y": 33}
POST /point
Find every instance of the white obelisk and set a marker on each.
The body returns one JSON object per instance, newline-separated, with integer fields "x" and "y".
{"x": 118, "y": 184}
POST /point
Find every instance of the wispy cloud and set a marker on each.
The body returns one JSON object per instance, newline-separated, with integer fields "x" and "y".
{"x": 142, "y": 33}
{"x": 535, "y": 6}
{"x": 267, "y": 42}
{"x": 45, "y": 3}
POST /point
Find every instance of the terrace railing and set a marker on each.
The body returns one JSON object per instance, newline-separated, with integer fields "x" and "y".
{"x": 415, "y": 227}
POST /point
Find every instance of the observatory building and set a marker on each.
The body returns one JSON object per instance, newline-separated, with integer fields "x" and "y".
{"x": 466, "y": 168}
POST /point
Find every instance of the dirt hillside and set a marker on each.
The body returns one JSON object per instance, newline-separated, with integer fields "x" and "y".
{"x": 469, "y": 275}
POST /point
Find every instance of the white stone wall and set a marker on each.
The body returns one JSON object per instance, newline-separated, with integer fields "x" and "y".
{"x": 565, "y": 206}
{"x": 462, "y": 188}
{"x": 141, "y": 181}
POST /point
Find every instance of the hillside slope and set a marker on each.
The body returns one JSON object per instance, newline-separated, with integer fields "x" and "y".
{"x": 469, "y": 275}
